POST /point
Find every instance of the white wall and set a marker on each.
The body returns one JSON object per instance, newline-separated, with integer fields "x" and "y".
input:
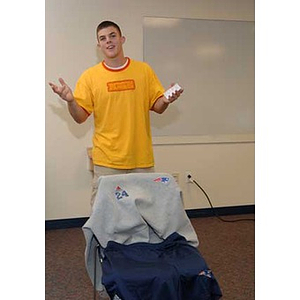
{"x": 225, "y": 170}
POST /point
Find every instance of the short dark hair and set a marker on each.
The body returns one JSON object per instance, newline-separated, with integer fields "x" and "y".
{"x": 106, "y": 24}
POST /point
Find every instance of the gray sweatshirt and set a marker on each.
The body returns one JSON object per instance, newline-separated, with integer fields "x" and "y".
{"x": 135, "y": 207}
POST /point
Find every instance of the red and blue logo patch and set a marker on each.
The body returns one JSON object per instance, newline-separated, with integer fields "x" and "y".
{"x": 120, "y": 193}
{"x": 162, "y": 179}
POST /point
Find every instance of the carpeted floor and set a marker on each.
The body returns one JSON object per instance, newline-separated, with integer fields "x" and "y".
{"x": 228, "y": 249}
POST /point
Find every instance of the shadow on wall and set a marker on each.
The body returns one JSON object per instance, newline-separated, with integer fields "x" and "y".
{"x": 170, "y": 116}
{"x": 77, "y": 130}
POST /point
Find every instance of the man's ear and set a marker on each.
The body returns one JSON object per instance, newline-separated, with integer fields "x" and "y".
{"x": 123, "y": 39}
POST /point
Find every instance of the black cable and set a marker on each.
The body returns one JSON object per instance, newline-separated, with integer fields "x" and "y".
{"x": 213, "y": 209}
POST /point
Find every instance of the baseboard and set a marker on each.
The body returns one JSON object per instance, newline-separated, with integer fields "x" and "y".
{"x": 192, "y": 213}
{"x": 65, "y": 223}
{"x": 221, "y": 211}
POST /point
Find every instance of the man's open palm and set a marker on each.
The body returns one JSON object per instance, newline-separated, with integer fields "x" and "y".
{"x": 63, "y": 91}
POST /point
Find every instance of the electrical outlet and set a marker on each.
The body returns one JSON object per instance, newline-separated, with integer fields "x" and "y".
{"x": 176, "y": 177}
{"x": 187, "y": 179}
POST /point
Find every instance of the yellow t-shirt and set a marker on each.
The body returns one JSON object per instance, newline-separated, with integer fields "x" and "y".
{"x": 120, "y": 101}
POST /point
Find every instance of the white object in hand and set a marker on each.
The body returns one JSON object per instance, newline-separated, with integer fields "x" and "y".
{"x": 168, "y": 93}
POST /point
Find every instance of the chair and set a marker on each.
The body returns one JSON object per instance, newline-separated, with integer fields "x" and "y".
{"x": 140, "y": 244}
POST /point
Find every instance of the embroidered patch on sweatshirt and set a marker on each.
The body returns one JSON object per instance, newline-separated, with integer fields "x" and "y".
{"x": 120, "y": 193}
{"x": 162, "y": 179}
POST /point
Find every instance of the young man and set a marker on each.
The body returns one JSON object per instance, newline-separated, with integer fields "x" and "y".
{"x": 120, "y": 92}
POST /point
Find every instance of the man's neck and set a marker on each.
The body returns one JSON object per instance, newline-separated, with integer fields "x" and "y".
{"x": 119, "y": 67}
{"x": 115, "y": 62}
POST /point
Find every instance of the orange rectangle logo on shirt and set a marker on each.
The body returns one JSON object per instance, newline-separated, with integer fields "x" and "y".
{"x": 123, "y": 85}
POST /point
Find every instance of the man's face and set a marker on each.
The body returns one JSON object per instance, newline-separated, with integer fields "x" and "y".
{"x": 110, "y": 42}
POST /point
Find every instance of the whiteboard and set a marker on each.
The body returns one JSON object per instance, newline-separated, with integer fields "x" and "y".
{"x": 214, "y": 62}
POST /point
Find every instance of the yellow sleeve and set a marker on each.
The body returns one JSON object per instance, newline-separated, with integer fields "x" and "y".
{"x": 155, "y": 87}
{"x": 83, "y": 93}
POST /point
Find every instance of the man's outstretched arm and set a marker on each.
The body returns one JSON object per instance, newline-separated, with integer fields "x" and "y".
{"x": 65, "y": 93}
{"x": 162, "y": 103}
